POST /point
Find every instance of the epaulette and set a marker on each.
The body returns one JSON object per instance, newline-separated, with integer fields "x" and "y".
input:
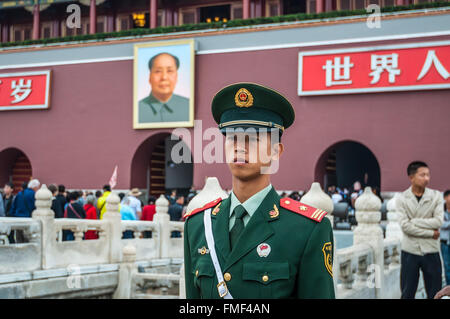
{"x": 206, "y": 206}
{"x": 303, "y": 209}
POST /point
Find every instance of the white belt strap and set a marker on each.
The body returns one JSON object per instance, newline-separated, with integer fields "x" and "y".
{"x": 221, "y": 287}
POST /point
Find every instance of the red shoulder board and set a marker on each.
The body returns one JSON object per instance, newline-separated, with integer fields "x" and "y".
{"x": 206, "y": 206}
{"x": 303, "y": 209}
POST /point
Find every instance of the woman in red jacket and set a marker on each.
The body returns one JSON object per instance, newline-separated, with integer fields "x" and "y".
{"x": 149, "y": 210}
{"x": 91, "y": 213}
{"x": 147, "y": 214}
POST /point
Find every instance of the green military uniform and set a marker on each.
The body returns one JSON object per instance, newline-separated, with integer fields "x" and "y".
{"x": 285, "y": 249}
{"x": 152, "y": 110}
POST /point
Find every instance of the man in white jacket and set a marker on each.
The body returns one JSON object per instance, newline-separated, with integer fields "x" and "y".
{"x": 421, "y": 216}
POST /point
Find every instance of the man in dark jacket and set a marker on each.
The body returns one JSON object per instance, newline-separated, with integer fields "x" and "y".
{"x": 2, "y": 207}
{"x": 56, "y": 205}
{"x": 8, "y": 198}
{"x": 23, "y": 204}
{"x": 61, "y": 197}
{"x": 176, "y": 213}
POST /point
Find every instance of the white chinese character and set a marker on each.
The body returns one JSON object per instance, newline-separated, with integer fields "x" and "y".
{"x": 21, "y": 90}
{"x": 432, "y": 59}
{"x": 379, "y": 63}
{"x": 333, "y": 74}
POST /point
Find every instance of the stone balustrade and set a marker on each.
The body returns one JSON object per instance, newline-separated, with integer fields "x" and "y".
{"x": 30, "y": 230}
{"x": 368, "y": 269}
{"x": 371, "y": 267}
{"x": 44, "y": 248}
{"x": 22, "y": 257}
{"x": 352, "y": 265}
{"x": 79, "y": 227}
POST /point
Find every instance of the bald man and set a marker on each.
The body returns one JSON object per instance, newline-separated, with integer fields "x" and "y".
{"x": 162, "y": 105}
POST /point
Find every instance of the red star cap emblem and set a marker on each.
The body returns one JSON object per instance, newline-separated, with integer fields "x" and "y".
{"x": 243, "y": 97}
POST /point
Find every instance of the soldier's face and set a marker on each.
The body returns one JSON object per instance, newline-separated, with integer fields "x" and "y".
{"x": 250, "y": 155}
{"x": 163, "y": 77}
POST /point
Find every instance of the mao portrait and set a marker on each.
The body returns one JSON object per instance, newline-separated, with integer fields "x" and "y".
{"x": 163, "y": 85}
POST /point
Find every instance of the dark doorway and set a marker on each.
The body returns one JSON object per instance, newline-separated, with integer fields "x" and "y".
{"x": 15, "y": 167}
{"x": 157, "y": 170}
{"x": 167, "y": 173}
{"x": 178, "y": 166}
{"x": 346, "y": 162}
{"x": 215, "y": 13}
{"x": 153, "y": 169}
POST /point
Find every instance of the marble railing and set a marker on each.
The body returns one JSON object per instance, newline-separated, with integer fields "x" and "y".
{"x": 371, "y": 267}
{"x": 368, "y": 269}
{"x": 22, "y": 257}
{"x": 41, "y": 244}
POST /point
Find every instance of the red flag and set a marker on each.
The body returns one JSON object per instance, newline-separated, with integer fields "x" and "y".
{"x": 113, "y": 180}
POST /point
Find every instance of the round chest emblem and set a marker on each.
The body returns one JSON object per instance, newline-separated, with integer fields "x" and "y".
{"x": 263, "y": 250}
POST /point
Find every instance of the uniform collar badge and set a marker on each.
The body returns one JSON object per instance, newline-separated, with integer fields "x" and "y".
{"x": 274, "y": 213}
{"x": 263, "y": 250}
{"x": 216, "y": 209}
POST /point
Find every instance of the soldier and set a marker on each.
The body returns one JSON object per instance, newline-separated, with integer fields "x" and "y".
{"x": 254, "y": 244}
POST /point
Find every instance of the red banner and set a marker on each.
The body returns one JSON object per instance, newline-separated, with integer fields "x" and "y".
{"x": 418, "y": 66}
{"x": 23, "y": 91}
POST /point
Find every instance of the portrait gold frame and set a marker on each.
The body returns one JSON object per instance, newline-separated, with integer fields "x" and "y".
{"x": 153, "y": 125}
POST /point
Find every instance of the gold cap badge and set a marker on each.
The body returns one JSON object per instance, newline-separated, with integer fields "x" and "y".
{"x": 243, "y": 98}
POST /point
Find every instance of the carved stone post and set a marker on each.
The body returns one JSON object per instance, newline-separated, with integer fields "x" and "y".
{"x": 393, "y": 229}
{"x": 127, "y": 269}
{"x": 113, "y": 217}
{"x": 369, "y": 232}
{"x": 211, "y": 191}
{"x": 43, "y": 213}
{"x": 316, "y": 197}
{"x": 162, "y": 219}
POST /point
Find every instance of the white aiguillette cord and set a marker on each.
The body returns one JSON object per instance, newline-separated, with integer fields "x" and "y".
{"x": 221, "y": 287}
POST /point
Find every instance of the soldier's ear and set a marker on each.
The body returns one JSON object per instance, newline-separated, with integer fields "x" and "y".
{"x": 277, "y": 150}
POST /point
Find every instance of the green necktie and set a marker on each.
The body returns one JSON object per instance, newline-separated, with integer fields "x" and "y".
{"x": 238, "y": 227}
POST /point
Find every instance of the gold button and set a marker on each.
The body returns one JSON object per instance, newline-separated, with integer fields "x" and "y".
{"x": 287, "y": 202}
{"x": 227, "y": 276}
{"x": 265, "y": 278}
{"x": 196, "y": 273}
